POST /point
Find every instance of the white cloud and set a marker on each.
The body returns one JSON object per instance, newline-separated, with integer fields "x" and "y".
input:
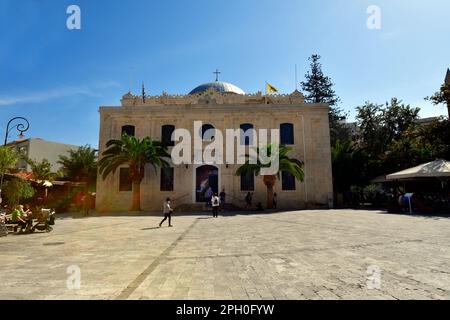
{"x": 61, "y": 92}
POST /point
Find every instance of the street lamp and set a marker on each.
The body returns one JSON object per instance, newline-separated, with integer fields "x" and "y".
{"x": 22, "y": 126}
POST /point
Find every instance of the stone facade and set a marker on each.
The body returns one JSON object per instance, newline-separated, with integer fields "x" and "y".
{"x": 223, "y": 111}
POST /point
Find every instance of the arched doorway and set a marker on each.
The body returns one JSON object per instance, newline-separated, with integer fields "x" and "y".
{"x": 206, "y": 177}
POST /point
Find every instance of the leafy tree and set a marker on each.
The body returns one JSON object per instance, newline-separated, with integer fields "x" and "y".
{"x": 434, "y": 136}
{"x": 417, "y": 145}
{"x": 136, "y": 154}
{"x": 405, "y": 152}
{"x": 380, "y": 125}
{"x": 80, "y": 165}
{"x": 319, "y": 89}
{"x": 17, "y": 190}
{"x": 41, "y": 170}
{"x": 398, "y": 117}
{"x": 441, "y": 97}
{"x": 8, "y": 159}
{"x": 286, "y": 164}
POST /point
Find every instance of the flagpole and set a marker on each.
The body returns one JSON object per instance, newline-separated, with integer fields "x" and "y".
{"x": 296, "y": 77}
{"x": 265, "y": 95}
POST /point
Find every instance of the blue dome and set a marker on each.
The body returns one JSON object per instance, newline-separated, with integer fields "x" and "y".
{"x": 218, "y": 86}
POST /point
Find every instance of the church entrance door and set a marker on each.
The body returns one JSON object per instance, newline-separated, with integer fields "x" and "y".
{"x": 207, "y": 181}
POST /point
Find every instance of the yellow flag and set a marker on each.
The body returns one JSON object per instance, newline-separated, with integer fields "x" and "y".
{"x": 270, "y": 88}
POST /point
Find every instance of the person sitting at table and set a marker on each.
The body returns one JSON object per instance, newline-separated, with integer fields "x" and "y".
{"x": 21, "y": 217}
{"x": 27, "y": 210}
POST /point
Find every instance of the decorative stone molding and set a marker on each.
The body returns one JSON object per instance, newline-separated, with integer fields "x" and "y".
{"x": 212, "y": 97}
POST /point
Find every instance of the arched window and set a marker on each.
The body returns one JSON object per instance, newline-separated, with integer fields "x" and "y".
{"x": 286, "y": 133}
{"x": 247, "y": 134}
{"x": 129, "y": 130}
{"x": 166, "y": 135}
{"x": 207, "y": 132}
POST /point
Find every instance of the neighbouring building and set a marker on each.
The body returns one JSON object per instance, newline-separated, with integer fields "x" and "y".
{"x": 38, "y": 149}
{"x": 219, "y": 105}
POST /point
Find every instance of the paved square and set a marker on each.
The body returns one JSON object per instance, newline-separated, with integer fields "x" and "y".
{"x": 293, "y": 255}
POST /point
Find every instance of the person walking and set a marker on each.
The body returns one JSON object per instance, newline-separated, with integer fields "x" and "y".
{"x": 215, "y": 202}
{"x": 167, "y": 210}
{"x": 275, "y": 200}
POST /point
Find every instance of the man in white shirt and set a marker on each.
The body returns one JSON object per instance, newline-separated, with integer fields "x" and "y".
{"x": 167, "y": 210}
{"x": 215, "y": 201}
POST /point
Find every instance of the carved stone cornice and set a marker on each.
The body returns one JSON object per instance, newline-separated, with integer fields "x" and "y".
{"x": 212, "y": 98}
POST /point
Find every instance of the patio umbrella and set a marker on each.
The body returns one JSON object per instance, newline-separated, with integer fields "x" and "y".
{"x": 47, "y": 184}
{"x": 437, "y": 169}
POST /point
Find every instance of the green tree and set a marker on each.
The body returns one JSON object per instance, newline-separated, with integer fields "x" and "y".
{"x": 318, "y": 88}
{"x": 41, "y": 170}
{"x": 381, "y": 124}
{"x": 286, "y": 164}
{"x": 17, "y": 190}
{"x": 441, "y": 97}
{"x": 136, "y": 154}
{"x": 80, "y": 165}
{"x": 437, "y": 135}
{"x": 8, "y": 159}
{"x": 407, "y": 151}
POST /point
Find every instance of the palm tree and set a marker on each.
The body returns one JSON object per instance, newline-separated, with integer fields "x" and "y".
{"x": 42, "y": 174}
{"x": 350, "y": 165}
{"x": 136, "y": 154}
{"x": 80, "y": 165}
{"x": 286, "y": 164}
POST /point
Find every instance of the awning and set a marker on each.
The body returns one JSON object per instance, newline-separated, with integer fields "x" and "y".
{"x": 435, "y": 169}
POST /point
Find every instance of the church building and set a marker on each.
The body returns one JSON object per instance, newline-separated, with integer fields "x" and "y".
{"x": 219, "y": 106}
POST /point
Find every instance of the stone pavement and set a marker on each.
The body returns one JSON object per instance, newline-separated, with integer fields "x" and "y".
{"x": 335, "y": 254}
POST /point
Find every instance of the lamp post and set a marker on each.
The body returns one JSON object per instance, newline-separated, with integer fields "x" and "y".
{"x": 22, "y": 126}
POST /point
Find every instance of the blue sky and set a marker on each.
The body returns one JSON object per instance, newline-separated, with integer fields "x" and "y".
{"x": 58, "y": 78}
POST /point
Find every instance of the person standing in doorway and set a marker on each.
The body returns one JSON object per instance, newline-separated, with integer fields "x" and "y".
{"x": 167, "y": 210}
{"x": 208, "y": 196}
{"x": 248, "y": 201}
{"x": 222, "y": 196}
{"x": 215, "y": 202}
